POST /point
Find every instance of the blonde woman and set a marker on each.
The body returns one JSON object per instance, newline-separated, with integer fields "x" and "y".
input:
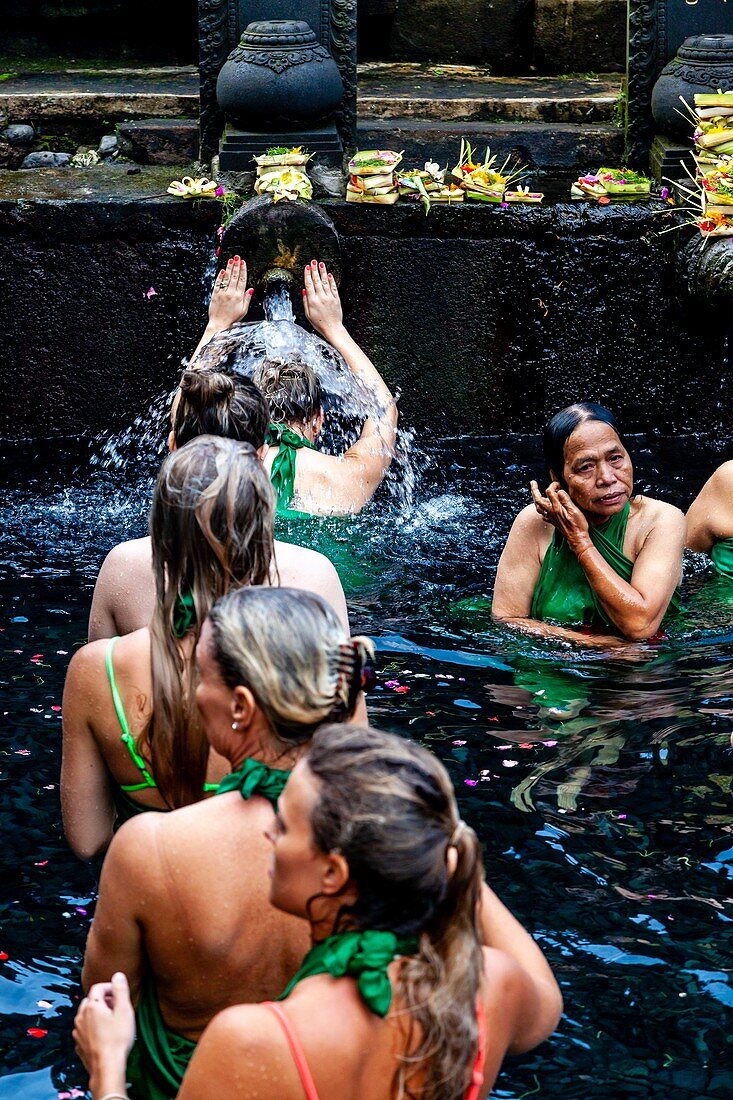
{"x": 183, "y": 905}
{"x": 397, "y": 996}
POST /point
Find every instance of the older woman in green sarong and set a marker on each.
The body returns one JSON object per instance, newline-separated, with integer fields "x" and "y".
{"x": 710, "y": 521}
{"x": 589, "y": 556}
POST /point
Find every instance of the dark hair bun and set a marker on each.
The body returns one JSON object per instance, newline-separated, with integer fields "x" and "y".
{"x": 204, "y": 389}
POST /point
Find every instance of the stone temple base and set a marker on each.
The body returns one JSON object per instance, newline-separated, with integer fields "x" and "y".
{"x": 239, "y": 146}
{"x": 671, "y": 160}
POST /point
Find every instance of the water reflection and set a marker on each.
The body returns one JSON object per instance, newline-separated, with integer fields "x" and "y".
{"x": 600, "y": 787}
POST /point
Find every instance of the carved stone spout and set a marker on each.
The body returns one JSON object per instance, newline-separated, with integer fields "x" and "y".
{"x": 279, "y": 239}
{"x": 707, "y": 273}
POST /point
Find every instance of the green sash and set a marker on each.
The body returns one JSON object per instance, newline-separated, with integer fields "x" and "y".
{"x": 160, "y": 1057}
{"x": 282, "y": 474}
{"x": 254, "y": 777}
{"x": 361, "y": 955}
{"x": 722, "y": 557}
{"x": 563, "y": 594}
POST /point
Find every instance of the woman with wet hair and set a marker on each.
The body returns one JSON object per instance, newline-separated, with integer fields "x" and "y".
{"x": 397, "y": 996}
{"x": 132, "y": 738}
{"x": 590, "y": 557}
{"x": 207, "y": 403}
{"x": 210, "y": 402}
{"x": 183, "y": 906}
{"x": 710, "y": 521}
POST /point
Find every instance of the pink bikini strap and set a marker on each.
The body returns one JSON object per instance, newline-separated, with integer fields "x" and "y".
{"x": 296, "y": 1050}
{"x": 478, "y": 1067}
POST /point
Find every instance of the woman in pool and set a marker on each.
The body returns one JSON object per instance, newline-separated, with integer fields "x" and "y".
{"x": 132, "y": 740}
{"x": 396, "y": 997}
{"x": 207, "y": 403}
{"x": 710, "y": 520}
{"x": 303, "y": 477}
{"x": 589, "y": 555}
{"x": 193, "y": 935}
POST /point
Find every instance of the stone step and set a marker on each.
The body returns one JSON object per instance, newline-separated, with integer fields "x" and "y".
{"x": 386, "y": 90}
{"x": 560, "y": 151}
{"x": 105, "y": 94}
{"x": 468, "y": 93}
{"x": 559, "y": 126}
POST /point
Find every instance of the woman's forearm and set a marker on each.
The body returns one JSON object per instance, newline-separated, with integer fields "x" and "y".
{"x": 564, "y": 633}
{"x": 358, "y": 362}
{"x": 109, "y": 1076}
{"x": 500, "y": 929}
{"x": 209, "y": 333}
{"x": 624, "y": 604}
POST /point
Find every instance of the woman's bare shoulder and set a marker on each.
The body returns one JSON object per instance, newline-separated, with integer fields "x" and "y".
{"x": 652, "y": 512}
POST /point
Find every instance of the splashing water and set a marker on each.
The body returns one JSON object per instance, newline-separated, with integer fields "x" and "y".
{"x": 347, "y": 401}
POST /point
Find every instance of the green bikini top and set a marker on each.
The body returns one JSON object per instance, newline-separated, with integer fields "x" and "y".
{"x": 127, "y": 738}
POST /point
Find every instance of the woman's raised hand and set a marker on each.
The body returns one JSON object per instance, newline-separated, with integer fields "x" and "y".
{"x": 321, "y": 299}
{"x": 557, "y": 508}
{"x": 230, "y": 299}
{"x": 104, "y": 1028}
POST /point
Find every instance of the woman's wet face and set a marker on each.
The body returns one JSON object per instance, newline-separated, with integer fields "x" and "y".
{"x": 598, "y": 472}
{"x": 298, "y": 864}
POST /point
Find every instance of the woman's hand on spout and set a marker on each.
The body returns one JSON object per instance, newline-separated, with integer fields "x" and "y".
{"x": 321, "y": 300}
{"x": 557, "y": 508}
{"x": 230, "y": 299}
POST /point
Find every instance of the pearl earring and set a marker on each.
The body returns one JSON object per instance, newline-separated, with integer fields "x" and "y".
{"x": 235, "y": 725}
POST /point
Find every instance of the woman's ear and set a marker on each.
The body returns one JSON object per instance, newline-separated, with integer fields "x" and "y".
{"x": 244, "y": 707}
{"x": 172, "y": 441}
{"x": 336, "y": 875}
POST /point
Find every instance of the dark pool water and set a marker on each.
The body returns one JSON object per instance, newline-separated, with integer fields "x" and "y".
{"x": 601, "y": 788}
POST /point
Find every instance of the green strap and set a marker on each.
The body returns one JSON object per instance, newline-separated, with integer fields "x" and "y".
{"x": 254, "y": 777}
{"x": 116, "y": 699}
{"x": 563, "y": 595}
{"x": 160, "y": 1057}
{"x": 184, "y": 613}
{"x": 722, "y": 558}
{"x": 127, "y": 737}
{"x": 365, "y": 956}
{"x": 282, "y": 474}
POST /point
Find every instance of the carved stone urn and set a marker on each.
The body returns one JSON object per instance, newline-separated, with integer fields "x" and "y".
{"x": 703, "y": 64}
{"x": 279, "y": 76}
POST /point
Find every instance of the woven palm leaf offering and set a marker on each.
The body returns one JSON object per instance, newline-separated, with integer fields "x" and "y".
{"x": 284, "y": 183}
{"x": 713, "y": 117}
{"x": 523, "y": 194}
{"x": 612, "y": 185}
{"x": 484, "y": 182}
{"x": 281, "y": 156}
{"x": 428, "y": 185}
{"x": 371, "y": 177}
{"x": 716, "y": 218}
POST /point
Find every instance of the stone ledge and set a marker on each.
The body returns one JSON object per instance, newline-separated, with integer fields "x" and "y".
{"x": 561, "y": 149}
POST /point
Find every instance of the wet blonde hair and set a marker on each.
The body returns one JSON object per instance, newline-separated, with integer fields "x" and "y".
{"x": 292, "y": 651}
{"x": 291, "y": 389}
{"x": 211, "y": 528}
{"x": 387, "y": 805}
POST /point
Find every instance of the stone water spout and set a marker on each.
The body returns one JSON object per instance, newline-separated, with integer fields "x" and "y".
{"x": 279, "y": 239}
{"x": 707, "y": 273}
